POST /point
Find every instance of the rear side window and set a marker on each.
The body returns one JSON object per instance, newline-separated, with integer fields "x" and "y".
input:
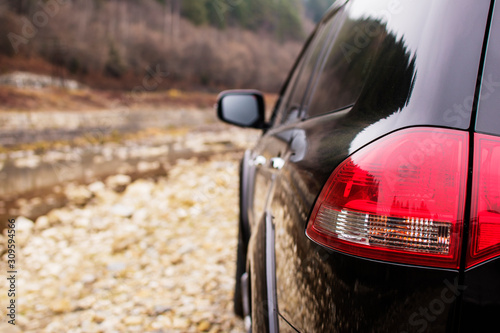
{"x": 291, "y": 107}
{"x": 488, "y": 117}
{"x": 345, "y": 69}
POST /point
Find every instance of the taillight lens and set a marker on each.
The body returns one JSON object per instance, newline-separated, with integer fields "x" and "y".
{"x": 484, "y": 236}
{"x": 399, "y": 199}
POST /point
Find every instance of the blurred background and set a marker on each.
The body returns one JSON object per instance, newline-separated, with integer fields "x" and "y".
{"x": 122, "y": 183}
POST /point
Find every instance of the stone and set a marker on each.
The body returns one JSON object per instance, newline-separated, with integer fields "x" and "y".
{"x": 116, "y": 266}
{"x": 133, "y": 320}
{"x": 9, "y": 328}
{"x": 160, "y": 309}
{"x": 24, "y": 229}
{"x": 61, "y": 306}
{"x": 88, "y": 278}
{"x": 96, "y": 187}
{"x": 145, "y": 166}
{"x": 24, "y": 225}
{"x": 78, "y": 195}
{"x": 140, "y": 260}
{"x": 42, "y": 223}
{"x": 99, "y": 318}
{"x": 122, "y": 210}
{"x": 203, "y": 326}
{"x": 180, "y": 323}
{"x": 118, "y": 183}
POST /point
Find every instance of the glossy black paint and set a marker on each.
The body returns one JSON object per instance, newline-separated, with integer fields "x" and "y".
{"x": 247, "y": 173}
{"x": 258, "y": 287}
{"x": 320, "y": 290}
{"x": 424, "y": 71}
{"x": 414, "y": 81}
{"x": 481, "y": 297}
{"x": 419, "y": 67}
{"x": 247, "y": 179}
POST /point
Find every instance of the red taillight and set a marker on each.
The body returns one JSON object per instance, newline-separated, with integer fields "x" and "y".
{"x": 399, "y": 199}
{"x": 484, "y": 236}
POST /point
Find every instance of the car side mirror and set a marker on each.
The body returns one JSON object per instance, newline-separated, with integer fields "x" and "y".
{"x": 244, "y": 108}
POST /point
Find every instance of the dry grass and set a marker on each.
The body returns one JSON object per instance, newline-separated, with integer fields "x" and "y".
{"x": 59, "y": 99}
{"x": 112, "y": 45}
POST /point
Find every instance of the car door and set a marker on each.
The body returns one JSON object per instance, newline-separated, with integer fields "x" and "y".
{"x": 284, "y": 143}
{"x": 274, "y": 148}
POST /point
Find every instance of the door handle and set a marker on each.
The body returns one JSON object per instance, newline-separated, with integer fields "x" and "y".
{"x": 259, "y": 160}
{"x": 277, "y": 163}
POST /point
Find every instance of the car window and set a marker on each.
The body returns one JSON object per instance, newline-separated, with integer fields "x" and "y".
{"x": 346, "y": 67}
{"x": 488, "y": 120}
{"x": 290, "y": 109}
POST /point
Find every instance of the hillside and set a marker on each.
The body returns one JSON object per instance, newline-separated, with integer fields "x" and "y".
{"x": 153, "y": 45}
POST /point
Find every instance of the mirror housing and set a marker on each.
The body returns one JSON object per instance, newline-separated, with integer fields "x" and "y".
{"x": 244, "y": 108}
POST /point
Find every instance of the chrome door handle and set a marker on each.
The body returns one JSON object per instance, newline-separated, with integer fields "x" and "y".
{"x": 259, "y": 160}
{"x": 277, "y": 163}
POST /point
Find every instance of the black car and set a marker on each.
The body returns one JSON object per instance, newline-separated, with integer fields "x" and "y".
{"x": 371, "y": 203}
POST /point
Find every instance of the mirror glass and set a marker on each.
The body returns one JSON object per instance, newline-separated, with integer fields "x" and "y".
{"x": 240, "y": 110}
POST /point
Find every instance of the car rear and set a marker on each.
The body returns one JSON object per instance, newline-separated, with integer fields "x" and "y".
{"x": 401, "y": 186}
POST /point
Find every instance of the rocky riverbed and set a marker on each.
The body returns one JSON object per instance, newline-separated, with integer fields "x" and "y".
{"x": 149, "y": 255}
{"x": 30, "y": 180}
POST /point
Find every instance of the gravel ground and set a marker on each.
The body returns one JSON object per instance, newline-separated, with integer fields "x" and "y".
{"x": 157, "y": 256}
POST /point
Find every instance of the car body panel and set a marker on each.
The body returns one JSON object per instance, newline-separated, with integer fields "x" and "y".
{"x": 256, "y": 266}
{"x": 320, "y": 290}
{"x": 481, "y": 298}
{"x": 247, "y": 180}
{"x": 408, "y": 63}
{"x": 481, "y": 294}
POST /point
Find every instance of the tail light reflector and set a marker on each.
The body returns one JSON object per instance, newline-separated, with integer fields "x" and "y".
{"x": 399, "y": 199}
{"x": 484, "y": 236}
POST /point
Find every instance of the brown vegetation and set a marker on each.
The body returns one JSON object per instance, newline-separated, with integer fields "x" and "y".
{"x": 140, "y": 46}
{"x": 59, "y": 99}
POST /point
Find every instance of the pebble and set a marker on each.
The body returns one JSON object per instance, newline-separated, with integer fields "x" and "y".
{"x": 60, "y": 306}
{"x": 8, "y": 328}
{"x": 203, "y": 326}
{"x": 141, "y": 260}
{"x": 24, "y": 225}
{"x": 96, "y": 187}
{"x": 79, "y": 195}
{"x": 122, "y": 210}
{"x": 118, "y": 183}
{"x": 42, "y": 223}
{"x": 133, "y": 320}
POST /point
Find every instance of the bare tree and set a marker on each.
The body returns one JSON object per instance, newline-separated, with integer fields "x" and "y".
{"x": 175, "y": 6}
